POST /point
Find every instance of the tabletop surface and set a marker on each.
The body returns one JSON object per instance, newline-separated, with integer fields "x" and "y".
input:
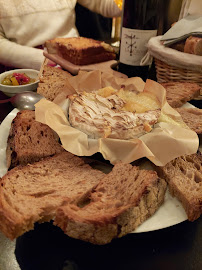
{"x": 176, "y": 247}
{"x": 46, "y": 247}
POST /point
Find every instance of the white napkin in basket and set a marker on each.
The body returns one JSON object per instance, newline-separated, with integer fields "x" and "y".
{"x": 173, "y": 57}
{"x": 190, "y": 25}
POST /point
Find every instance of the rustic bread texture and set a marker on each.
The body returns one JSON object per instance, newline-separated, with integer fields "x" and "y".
{"x": 184, "y": 177}
{"x": 80, "y": 50}
{"x": 178, "y": 93}
{"x": 52, "y": 82}
{"x": 193, "y": 45}
{"x": 29, "y": 140}
{"x": 122, "y": 200}
{"x": 34, "y": 192}
{"x": 192, "y": 117}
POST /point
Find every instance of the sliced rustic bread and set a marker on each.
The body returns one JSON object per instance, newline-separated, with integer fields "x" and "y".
{"x": 184, "y": 177}
{"x": 52, "y": 82}
{"x": 178, "y": 93}
{"x": 50, "y": 72}
{"x": 122, "y": 200}
{"x": 29, "y": 140}
{"x": 81, "y": 50}
{"x": 193, "y": 45}
{"x": 34, "y": 192}
{"x": 192, "y": 117}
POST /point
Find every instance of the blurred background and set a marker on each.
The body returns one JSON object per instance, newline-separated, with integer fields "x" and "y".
{"x": 95, "y": 26}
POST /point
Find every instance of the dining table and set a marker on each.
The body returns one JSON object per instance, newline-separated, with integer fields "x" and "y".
{"x": 176, "y": 247}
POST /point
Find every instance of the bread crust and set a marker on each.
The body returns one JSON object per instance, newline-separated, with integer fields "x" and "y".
{"x": 192, "y": 117}
{"x": 52, "y": 82}
{"x": 178, "y": 93}
{"x": 32, "y": 193}
{"x": 114, "y": 211}
{"x": 193, "y": 45}
{"x": 29, "y": 140}
{"x": 80, "y": 50}
{"x": 184, "y": 178}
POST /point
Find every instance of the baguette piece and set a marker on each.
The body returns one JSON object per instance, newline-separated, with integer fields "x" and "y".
{"x": 192, "y": 117}
{"x": 29, "y": 140}
{"x": 32, "y": 193}
{"x": 178, "y": 93}
{"x": 52, "y": 82}
{"x": 122, "y": 200}
{"x": 81, "y": 50}
{"x": 193, "y": 45}
{"x": 184, "y": 177}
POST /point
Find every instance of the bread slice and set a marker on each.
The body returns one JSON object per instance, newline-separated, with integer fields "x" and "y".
{"x": 178, "y": 93}
{"x": 32, "y": 193}
{"x": 184, "y": 177}
{"x": 52, "y": 82}
{"x": 192, "y": 117}
{"x": 81, "y": 50}
{"x": 122, "y": 200}
{"x": 29, "y": 140}
{"x": 193, "y": 45}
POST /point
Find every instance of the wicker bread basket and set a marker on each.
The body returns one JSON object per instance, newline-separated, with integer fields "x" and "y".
{"x": 172, "y": 65}
{"x": 165, "y": 73}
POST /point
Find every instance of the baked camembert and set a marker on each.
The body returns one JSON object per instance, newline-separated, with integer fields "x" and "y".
{"x": 111, "y": 113}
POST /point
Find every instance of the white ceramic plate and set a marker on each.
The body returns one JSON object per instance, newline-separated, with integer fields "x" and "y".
{"x": 170, "y": 213}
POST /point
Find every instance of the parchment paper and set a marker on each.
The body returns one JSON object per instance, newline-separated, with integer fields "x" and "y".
{"x": 170, "y": 213}
{"x": 164, "y": 143}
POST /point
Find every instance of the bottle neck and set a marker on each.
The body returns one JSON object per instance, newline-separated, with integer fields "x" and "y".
{"x": 141, "y": 14}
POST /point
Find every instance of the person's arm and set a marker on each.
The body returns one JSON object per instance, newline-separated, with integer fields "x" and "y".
{"x": 107, "y": 8}
{"x": 18, "y": 56}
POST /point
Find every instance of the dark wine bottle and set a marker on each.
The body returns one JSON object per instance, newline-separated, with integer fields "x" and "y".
{"x": 139, "y": 23}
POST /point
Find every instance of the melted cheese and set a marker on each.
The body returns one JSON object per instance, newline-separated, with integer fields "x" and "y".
{"x": 109, "y": 113}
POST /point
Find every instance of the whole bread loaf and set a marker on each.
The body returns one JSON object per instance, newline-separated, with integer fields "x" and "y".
{"x": 29, "y": 140}
{"x": 178, "y": 93}
{"x": 32, "y": 193}
{"x": 184, "y": 177}
{"x": 80, "y": 50}
{"x": 52, "y": 82}
{"x": 122, "y": 200}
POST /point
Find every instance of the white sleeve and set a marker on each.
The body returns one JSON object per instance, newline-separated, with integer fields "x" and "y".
{"x": 15, "y": 55}
{"x": 107, "y": 8}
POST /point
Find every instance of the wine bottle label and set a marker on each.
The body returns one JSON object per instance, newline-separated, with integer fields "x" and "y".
{"x": 134, "y": 45}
